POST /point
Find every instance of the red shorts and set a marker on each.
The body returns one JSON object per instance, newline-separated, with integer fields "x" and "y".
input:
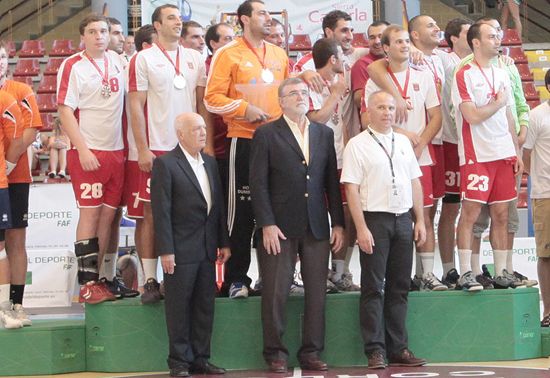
{"x": 342, "y": 188}
{"x": 144, "y": 192}
{"x": 101, "y": 187}
{"x": 452, "y": 168}
{"x": 488, "y": 182}
{"x": 438, "y": 171}
{"x": 131, "y": 187}
{"x": 427, "y": 185}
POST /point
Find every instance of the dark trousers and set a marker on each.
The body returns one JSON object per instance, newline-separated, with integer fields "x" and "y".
{"x": 189, "y": 307}
{"x": 385, "y": 282}
{"x": 277, "y": 274}
{"x": 240, "y": 218}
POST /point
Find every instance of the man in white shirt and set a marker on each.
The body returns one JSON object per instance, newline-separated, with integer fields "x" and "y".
{"x": 91, "y": 83}
{"x": 536, "y": 155}
{"x": 164, "y": 80}
{"x": 488, "y": 152}
{"x": 381, "y": 174}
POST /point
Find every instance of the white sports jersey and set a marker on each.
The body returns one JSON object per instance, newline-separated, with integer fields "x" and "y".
{"x": 335, "y": 122}
{"x": 422, "y": 94}
{"x": 151, "y": 71}
{"x": 79, "y": 86}
{"x": 538, "y": 140}
{"x": 448, "y": 126}
{"x": 434, "y": 66}
{"x": 130, "y": 141}
{"x": 490, "y": 140}
{"x": 349, "y": 111}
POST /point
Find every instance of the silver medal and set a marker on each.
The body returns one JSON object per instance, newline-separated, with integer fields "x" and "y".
{"x": 267, "y": 76}
{"x": 106, "y": 90}
{"x": 179, "y": 82}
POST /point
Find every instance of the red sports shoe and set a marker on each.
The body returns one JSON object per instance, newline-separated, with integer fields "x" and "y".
{"x": 95, "y": 292}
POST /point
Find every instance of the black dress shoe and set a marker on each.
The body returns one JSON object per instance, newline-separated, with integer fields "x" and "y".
{"x": 179, "y": 372}
{"x": 206, "y": 368}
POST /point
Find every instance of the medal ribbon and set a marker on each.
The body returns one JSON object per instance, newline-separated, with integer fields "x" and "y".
{"x": 491, "y": 87}
{"x": 104, "y": 75}
{"x": 262, "y": 61}
{"x": 177, "y": 65}
{"x": 402, "y": 90}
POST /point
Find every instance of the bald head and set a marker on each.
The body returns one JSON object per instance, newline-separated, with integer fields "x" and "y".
{"x": 381, "y": 111}
{"x": 191, "y": 132}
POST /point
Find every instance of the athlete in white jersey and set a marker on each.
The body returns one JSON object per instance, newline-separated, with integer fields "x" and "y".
{"x": 91, "y": 84}
{"x": 419, "y": 90}
{"x": 165, "y": 81}
{"x": 337, "y": 25}
{"x": 488, "y": 151}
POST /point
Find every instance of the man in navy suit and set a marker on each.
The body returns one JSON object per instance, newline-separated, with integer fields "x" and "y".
{"x": 189, "y": 220}
{"x": 294, "y": 186}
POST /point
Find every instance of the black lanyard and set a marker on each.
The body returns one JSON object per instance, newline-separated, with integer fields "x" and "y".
{"x": 389, "y": 155}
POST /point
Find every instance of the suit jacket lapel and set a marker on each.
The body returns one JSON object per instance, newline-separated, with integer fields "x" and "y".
{"x": 186, "y": 167}
{"x": 286, "y": 133}
{"x": 209, "y": 172}
{"x": 314, "y": 138}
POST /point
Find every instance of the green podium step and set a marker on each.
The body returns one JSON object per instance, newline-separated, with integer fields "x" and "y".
{"x": 47, "y": 347}
{"x": 545, "y": 340}
{"x": 443, "y": 327}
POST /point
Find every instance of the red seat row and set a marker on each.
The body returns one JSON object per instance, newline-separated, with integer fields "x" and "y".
{"x": 36, "y": 49}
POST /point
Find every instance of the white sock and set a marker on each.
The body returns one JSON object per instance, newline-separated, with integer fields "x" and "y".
{"x": 427, "y": 261}
{"x": 4, "y": 293}
{"x": 509, "y": 258}
{"x": 499, "y": 257}
{"x": 447, "y": 267}
{"x": 149, "y": 268}
{"x": 349, "y": 254}
{"x": 476, "y": 268}
{"x": 418, "y": 268}
{"x": 108, "y": 266}
{"x": 338, "y": 267}
{"x": 464, "y": 260}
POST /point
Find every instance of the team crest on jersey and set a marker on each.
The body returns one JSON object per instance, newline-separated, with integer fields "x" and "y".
{"x": 416, "y": 87}
{"x": 190, "y": 65}
{"x": 7, "y": 115}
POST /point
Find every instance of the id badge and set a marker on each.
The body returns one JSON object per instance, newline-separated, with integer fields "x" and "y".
{"x": 395, "y": 197}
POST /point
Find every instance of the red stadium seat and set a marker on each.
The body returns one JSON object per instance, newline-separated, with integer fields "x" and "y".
{"x": 360, "y": 40}
{"x": 53, "y": 66}
{"x": 533, "y": 103}
{"x": 11, "y": 50}
{"x": 524, "y": 72}
{"x": 24, "y": 79}
{"x": 511, "y": 38}
{"x": 530, "y": 91}
{"x": 47, "y": 121}
{"x": 46, "y": 102}
{"x": 48, "y": 84}
{"x": 32, "y": 49}
{"x": 27, "y": 67}
{"x": 299, "y": 42}
{"x": 516, "y": 53}
{"x": 62, "y": 47}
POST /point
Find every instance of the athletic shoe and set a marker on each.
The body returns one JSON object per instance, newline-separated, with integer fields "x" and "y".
{"x": 296, "y": 289}
{"x": 485, "y": 281}
{"x": 118, "y": 289}
{"x": 51, "y": 174}
{"x": 346, "y": 283}
{"x": 20, "y": 314}
{"x": 8, "y": 319}
{"x": 416, "y": 282}
{"x": 238, "y": 290}
{"x": 507, "y": 280}
{"x": 467, "y": 282}
{"x": 331, "y": 287}
{"x": 485, "y": 271}
{"x": 151, "y": 292}
{"x": 545, "y": 322}
{"x": 258, "y": 285}
{"x": 526, "y": 281}
{"x": 94, "y": 292}
{"x": 61, "y": 174}
{"x": 429, "y": 282}
{"x": 450, "y": 279}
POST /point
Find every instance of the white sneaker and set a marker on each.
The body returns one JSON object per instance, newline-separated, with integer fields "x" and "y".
{"x": 431, "y": 283}
{"x": 20, "y": 314}
{"x": 8, "y": 319}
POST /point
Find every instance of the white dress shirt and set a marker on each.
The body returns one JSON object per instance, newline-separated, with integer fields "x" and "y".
{"x": 200, "y": 172}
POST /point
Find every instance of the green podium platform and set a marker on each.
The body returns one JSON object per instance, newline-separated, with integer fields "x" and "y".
{"x": 47, "y": 347}
{"x": 443, "y": 327}
{"x": 545, "y": 340}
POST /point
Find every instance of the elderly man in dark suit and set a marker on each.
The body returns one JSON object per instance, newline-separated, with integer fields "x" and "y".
{"x": 187, "y": 203}
{"x": 294, "y": 185}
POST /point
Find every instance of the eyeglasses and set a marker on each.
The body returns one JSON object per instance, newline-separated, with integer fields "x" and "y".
{"x": 303, "y": 93}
